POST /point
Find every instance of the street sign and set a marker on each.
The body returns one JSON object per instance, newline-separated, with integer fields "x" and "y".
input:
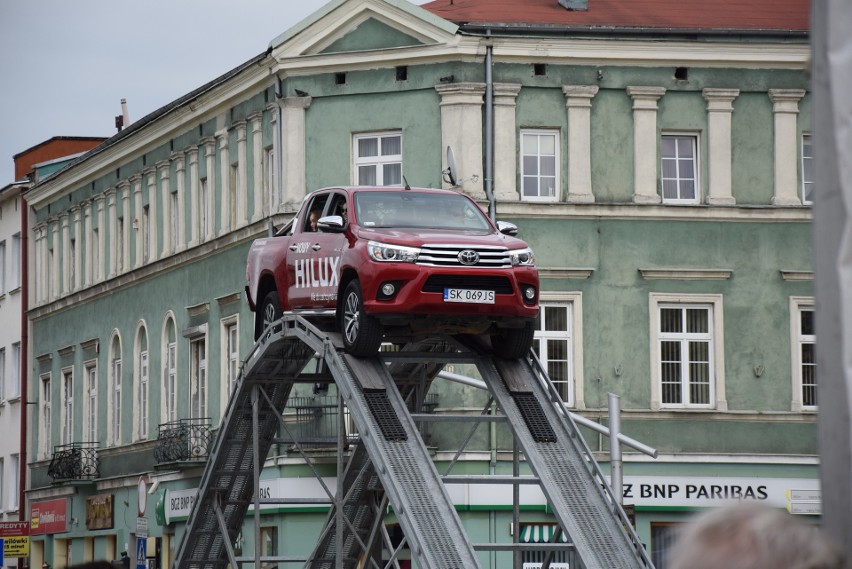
{"x": 141, "y": 527}
{"x": 141, "y": 553}
{"x": 16, "y": 538}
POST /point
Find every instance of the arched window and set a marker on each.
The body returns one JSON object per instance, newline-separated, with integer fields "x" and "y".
{"x": 169, "y": 378}
{"x": 115, "y": 381}
{"x": 140, "y": 382}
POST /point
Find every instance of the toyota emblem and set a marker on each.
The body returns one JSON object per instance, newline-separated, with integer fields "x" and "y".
{"x": 468, "y": 257}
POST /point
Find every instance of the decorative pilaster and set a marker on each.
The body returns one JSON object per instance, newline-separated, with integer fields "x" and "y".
{"x": 225, "y": 182}
{"x": 114, "y": 241}
{"x": 192, "y": 159}
{"x": 99, "y": 269}
{"x": 256, "y": 122}
{"x": 293, "y": 138}
{"x": 645, "y": 143}
{"x": 208, "y": 228}
{"x": 461, "y": 130}
{"x": 168, "y": 221}
{"x": 505, "y": 142}
{"x": 241, "y": 193}
{"x": 140, "y": 224}
{"x": 126, "y": 221}
{"x": 578, "y": 101}
{"x": 76, "y": 279}
{"x": 150, "y": 175}
{"x": 180, "y": 189}
{"x": 719, "y": 110}
{"x": 54, "y": 262}
{"x": 786, "y": 110}
{"x": 89, "y": 252}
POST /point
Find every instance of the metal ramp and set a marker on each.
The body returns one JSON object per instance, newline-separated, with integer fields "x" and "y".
{"x": 247, "y": 431}
{"x": 568, "y": 474}
{"x": 390, "y": 465}
{"x": 364, "y": 502}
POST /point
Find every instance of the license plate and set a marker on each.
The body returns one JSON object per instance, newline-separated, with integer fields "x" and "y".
{"x": 470, "y": 296}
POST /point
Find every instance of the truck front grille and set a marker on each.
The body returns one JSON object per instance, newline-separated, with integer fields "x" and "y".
{"x": 448, "y": 256}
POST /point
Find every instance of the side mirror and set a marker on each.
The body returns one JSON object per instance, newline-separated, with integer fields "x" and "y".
{"x": 331, "y": 224}
{"x": 507, "y": 228}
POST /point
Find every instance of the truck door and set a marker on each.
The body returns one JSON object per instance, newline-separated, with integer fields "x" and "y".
{"x": 313, "y": 261}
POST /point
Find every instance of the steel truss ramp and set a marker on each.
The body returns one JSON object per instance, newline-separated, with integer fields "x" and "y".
{"x": 364, "y": 504}
{"x": 247, "y": 431}
{"x": 568, "y": 474}
{"x": 426, "y": 513}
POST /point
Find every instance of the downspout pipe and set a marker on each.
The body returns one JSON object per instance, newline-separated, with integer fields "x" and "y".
{"x": 489, "y": 128}
{"x": 24, "y": 365}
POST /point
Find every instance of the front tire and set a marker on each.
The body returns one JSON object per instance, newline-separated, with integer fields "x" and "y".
{"x": 268, "y": 312}
{"x": 513, "y": 343}
{"x": 362, "y": 334}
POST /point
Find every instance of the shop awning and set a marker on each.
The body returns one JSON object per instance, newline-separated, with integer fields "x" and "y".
{"x": 540, "y": 533}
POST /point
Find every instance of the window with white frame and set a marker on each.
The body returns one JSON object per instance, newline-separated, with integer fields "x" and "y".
{"x": 808, "y": 174}
{"x": 67, "y": 406}
{"x": 679, "y": 156}
{"x": 198, "y": 377}
{"x": 687, "y": 355}
{"x": 2, "y": 267}
{"x": 540, "y": 160}
{"x": 142, "y": 396}
{"x": 230, "y": 354}
{"x": 803, "y": 336}
{"x": 115, "y": 381}
{"x": 13, "y": 388}
{"x": 15, "y": 267}
{"x": 46, "y": 438}
{"x": 171, "y": 382}
{"x": 554, "y": 346}
{"x": 378, "y": 159}
{"x": 91, "y": 428}
{"x": 14, "y": 488}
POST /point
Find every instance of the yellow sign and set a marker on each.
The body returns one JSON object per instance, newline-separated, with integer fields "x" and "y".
{"x": 16, "y": 546}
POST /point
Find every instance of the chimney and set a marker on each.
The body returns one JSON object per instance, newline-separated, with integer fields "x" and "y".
{"x": 574, "y": 5}
{"x": 125, "y": 114}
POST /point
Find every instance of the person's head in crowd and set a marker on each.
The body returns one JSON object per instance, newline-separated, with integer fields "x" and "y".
{"x": 752, "y": 536}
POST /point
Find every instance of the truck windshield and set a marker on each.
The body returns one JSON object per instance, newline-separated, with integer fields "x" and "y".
{"x": 418, "y": 209}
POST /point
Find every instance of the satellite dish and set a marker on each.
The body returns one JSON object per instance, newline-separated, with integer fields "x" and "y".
{"x": 451, "y": 174}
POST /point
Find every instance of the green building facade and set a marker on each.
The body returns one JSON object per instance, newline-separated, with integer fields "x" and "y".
{"x": 662, "y": 178}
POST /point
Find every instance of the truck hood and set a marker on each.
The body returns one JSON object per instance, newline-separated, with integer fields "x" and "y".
{"x": 418, "y": 237}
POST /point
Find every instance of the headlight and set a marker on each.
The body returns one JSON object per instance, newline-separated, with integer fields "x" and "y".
{"x": 522, "y": 257}
{"x": 392, "y": 253}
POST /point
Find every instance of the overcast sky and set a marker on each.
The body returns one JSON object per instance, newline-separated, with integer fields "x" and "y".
{"x": 65, "y": 65}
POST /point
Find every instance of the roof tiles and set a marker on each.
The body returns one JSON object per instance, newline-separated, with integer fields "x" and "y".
{"x": 745, "y": 15}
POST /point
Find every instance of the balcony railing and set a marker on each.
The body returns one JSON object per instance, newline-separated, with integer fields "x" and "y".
{"x": 185, "y": 440}
{"x": 74, "y": 461}
{"x": 313, "y": 421}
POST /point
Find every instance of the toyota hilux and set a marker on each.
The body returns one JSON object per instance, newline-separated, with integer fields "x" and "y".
{"x": 392, "y": 264}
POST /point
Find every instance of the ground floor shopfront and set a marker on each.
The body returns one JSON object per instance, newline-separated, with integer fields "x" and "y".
{"x": 102, "y": 521}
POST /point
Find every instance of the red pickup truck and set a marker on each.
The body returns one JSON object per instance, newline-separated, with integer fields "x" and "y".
{"x": 397, "y": 263}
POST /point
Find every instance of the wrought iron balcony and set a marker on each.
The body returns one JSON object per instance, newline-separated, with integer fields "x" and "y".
{"x": 74, "y": 461}
{"x": 185, "y": 440}
{"x": 314, "y": 421}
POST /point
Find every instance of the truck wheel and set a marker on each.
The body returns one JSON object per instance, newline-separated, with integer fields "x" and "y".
{"x": 513, "y": 343}
{"x": 268, "y": 312}
{"x": 362, "y": 334}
